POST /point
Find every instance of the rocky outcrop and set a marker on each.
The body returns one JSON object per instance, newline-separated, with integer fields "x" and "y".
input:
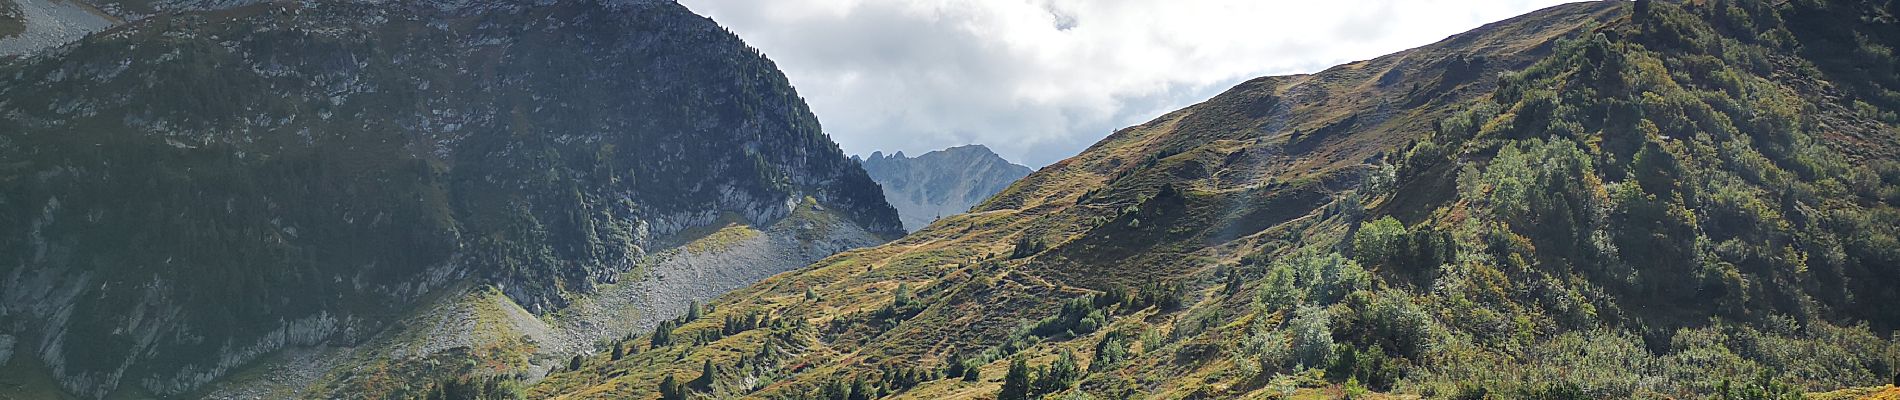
{"x": 192, "y": 190}
{"x": 941, "y": 183}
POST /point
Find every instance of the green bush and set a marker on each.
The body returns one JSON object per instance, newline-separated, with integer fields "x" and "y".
{"x": 1312, "y": 337}
{"x": 1110, "y": 351}
{"x": 1763, "y": 387}
{"x": 1307, "y": 278}
{"x": 1371, "y": 367}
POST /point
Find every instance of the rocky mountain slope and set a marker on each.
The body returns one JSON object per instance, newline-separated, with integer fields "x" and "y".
{"x": 940, "y": 183}
{"x": 184, "y": 195}
{"x": 32, "y": 25}
{"x": 1595, "y": 200}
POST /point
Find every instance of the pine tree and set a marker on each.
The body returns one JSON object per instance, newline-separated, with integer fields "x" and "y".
{"x": 574, "y": 364}
{"x": 1060, "y": 375}
{"x": 860, "y": 389}
{"x": 671, "y": 389}
{"x": 1027, "y": 246}
{"x": 954, "y": 365}
{"x": 835, "y": 390}
{"x": 1016, "y": 383}
{"x": 692, "y": 310}
{"x": 618, "y": 351}
{"x": 707, "y": 375}
{"x": 663, "y": 334}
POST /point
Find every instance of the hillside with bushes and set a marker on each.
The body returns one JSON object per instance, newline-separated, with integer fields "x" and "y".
{"x": 1597, "y": 200}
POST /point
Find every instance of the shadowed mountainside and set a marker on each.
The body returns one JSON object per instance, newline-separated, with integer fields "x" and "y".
{"x": 190, "y": 192}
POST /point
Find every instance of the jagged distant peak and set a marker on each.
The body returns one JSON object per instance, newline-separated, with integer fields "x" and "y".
{"x": 974, "y": 149}
{"x": 941, "y": 182}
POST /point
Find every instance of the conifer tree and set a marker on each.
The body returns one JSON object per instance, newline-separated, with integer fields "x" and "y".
{"x": 1060, "y": 375}
{"x": 663, "y": 334}
{"x": 707, "y": 375}
{"x": 1016, "y": 383}
{"x": 954, "y": 365}
{"x": 860, "y": 389}
{"x": 671, "y": 389}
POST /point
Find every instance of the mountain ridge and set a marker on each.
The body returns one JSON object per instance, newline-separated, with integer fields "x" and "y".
{"x": 940, "y": 182}
{"x": 1594, "y": 200}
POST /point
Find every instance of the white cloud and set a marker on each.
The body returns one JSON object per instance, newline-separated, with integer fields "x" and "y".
{"x": 1039, "y": 80}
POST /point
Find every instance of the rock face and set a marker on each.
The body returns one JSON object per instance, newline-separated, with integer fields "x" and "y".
{"x": 184, "y": 193}
{"x": 941, "y": 183}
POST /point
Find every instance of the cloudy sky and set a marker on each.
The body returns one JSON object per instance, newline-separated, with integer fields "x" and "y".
{"x": 1040, "y": 80}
